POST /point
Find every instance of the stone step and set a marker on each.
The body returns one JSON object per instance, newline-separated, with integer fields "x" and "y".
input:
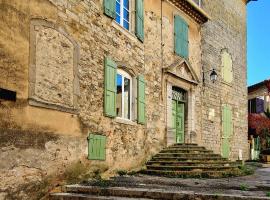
{"x": 185, "y": 144}
{"x": 147, "y": 193}
{"x": 187, "y": 158}
{"x": 75, "y": 196}
{"x": 189, "y": 163}
{"x": 189, "y": 168}
{"x": 188, "y": 155}
{"x": 191, "y": 174}
{"x": 185, "y": 150}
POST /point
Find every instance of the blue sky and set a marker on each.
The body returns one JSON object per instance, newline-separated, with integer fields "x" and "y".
{"x": 258, "y": 41}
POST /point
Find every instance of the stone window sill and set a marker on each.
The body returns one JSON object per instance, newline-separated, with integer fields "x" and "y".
{"x": 38, "y": 103}
{"x": 127, "y": 33}
{"x": 125, "y": 121}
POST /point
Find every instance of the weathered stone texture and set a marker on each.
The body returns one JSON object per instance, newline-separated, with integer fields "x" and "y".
{"x": 54, "y": 67}
{"x": 226, "y": 30}
{"x": 83, "y": 25}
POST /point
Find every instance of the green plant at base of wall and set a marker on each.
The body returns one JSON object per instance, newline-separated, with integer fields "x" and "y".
{"x": 268, "y": 194}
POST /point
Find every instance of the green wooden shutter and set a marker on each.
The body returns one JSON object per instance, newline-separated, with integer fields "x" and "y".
{"x": 227, "y": 121}
{"x": 227, "y": 73}
{"x": 96, "y": 147}
{"x": 227, "y": 130}
{"x": 109, "y": 8}
{"x": 140, "y": 19}
{"x": 110, "y": 88}
{"x": 141, "y": 100}
{"x": 181, "y": 44}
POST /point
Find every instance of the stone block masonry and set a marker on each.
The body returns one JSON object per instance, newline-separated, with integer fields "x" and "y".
{"x": 52, "y": 54}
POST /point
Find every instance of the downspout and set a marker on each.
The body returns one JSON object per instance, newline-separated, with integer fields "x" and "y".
{"x": 163, "y": 85}
{"x": 161, "y": 48}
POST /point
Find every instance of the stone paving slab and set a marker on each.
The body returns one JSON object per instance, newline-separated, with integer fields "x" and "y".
{"x": 257, "y": 185}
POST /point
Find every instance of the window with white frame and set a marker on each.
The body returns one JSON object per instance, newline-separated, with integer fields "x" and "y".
{"x": 123, "y": 98}
{"x": 123, "y": 13}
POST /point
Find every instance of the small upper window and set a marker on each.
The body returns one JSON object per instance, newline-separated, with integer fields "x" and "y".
{"x": 122, "y": 13}
{"x": 227, "y": 68}
{"x": 123, "y": 98}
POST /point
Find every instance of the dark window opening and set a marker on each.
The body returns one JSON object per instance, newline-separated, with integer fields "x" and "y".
{"x": 7, "y": 95}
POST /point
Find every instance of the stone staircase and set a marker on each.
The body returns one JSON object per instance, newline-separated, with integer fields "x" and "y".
{"x": 190, "y": 161}
{"x": 179, "y": 160}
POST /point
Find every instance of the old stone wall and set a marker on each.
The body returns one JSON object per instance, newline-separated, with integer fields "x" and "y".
{"x": 52, "y": 54}
{"x": 226, "y": 30}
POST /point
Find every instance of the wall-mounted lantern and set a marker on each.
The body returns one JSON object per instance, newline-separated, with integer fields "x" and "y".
{"x": 213, "y": 75}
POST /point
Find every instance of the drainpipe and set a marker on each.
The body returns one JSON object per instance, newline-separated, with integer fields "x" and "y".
{"x": 161, "y": 47}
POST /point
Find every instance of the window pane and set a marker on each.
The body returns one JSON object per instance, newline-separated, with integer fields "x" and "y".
{"x": 119, "y": 96}
{"x": 126, "y": 25}
{"x": 117, "y": 19}
{"x": 126, "y": 98}
{"x": 126, "y": 4}
{"x": 126, "y": 15}
{"x": 117, "y": 8}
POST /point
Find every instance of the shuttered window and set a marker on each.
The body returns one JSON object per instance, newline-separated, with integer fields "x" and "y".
{"x": 227, "y": 72}
{"x": 123, "y": 13}
{"x": 140, "y": 19}
{"x": 141, "y": 100}
{"x": 96, "y": 147}
{"x": 181, "y": 44}
{"x": 110, "y": 88}
{"x": 227, "y": 130}
{"x": 109, "y": 8}
{"x": 227, "y": 121}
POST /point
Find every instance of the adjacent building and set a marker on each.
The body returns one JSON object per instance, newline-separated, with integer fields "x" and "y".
{"x": 118, "y": 80}
{"x": 259, "y": 123}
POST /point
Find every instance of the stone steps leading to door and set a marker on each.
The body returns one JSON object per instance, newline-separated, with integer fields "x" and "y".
{"x": 190, "y": 160}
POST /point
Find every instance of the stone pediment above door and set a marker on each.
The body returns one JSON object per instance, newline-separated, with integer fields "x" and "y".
{"x": 182, "y": 69}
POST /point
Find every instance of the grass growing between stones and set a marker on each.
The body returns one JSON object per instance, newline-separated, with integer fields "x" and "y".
{"x": 268, "y": 194}
{"x": 121, "y": 172}
{"x": 244, "y": 187}
{"x": 246, "y": 170}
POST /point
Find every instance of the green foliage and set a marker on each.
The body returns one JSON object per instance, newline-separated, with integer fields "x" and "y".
{"x": 102, "y": 183}
{"x": 244, "y": 187}
{"x": 132, "y": 173}
{"x": 268, "y": 194}
{"x": 246, "y": 170}
{"x": 122, "y": 172}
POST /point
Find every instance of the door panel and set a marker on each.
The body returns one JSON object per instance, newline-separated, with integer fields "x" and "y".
{"x": 227, "y": 130}
{"x": 178, "y": 120}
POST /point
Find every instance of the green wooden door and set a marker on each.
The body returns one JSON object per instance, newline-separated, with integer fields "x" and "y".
{"x": 178, "y": 120}
{"x": 227, "y": 130}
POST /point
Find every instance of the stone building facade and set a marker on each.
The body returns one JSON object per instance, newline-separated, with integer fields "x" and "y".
{"x": 70, "y": 63}
{"x": 258, "y": 97}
